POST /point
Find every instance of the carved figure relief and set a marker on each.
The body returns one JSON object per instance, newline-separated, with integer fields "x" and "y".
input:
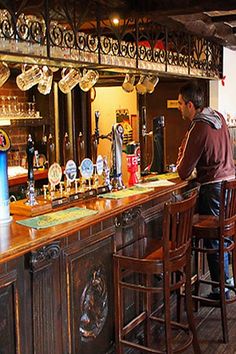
{"x": 94, "y": 305}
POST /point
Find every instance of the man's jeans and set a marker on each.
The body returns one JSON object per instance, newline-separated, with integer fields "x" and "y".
{"x": 209, "y": 203}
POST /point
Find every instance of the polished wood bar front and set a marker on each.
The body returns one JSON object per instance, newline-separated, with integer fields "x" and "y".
{"x": 56, "y": 284}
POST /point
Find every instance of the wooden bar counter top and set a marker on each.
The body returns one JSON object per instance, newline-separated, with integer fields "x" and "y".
{"x": 16, "y": 239}
{"x": 56, "y": 283}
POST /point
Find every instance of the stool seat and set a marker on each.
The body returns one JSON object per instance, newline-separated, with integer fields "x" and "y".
{"x": 223, "y": 229}
{"x": 208, "y": 226}
{"x": 146, "y": 273}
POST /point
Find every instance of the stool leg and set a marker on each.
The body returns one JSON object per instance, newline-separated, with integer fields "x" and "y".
{"x": 118, "y": 307}
{"x": 167, "y": 314}
{"x": 198, "y": 275}
{"x": 179, "y": 306}
{"x": 189, "y": 305}
{"x": 148, "y": 307}
{"x": 234, "y": 261}
{"x": 222, "y": 294}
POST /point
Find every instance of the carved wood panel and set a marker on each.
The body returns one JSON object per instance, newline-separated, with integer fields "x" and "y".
{"x": 9, "y": 318}
{"x": 89, "y": 275}
{"x": 46, "y": 302}
{"x": 127, "y": 227}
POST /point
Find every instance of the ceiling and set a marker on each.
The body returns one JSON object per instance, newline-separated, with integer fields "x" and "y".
{"x": 215, "y": 20}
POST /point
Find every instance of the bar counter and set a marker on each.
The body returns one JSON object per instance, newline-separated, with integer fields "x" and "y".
{"x": 17, "y": 240}
{"x": 56, "y": 284}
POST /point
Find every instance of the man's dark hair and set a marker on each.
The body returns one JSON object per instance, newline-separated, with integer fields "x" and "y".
{"x": 194, "y": 93}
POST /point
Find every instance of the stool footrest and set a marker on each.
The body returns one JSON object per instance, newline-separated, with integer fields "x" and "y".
{"x": 205, "y": 301}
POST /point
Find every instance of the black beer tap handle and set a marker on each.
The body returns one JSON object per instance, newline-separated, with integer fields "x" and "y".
{"x": 106, "y": 136}
{"x": 30, "y": 158}
{"x": 144, "y": 121}
{"x": 96, "y": 133}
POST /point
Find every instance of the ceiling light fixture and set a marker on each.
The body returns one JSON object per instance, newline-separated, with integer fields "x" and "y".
{"x": 115, "y": 21}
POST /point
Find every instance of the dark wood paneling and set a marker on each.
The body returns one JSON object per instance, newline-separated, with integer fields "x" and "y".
{"x": 12, "y": 316}
{"x": 175, "y": 125}
{"x": 90, "y": 299}
{"x": 46, "y": 301}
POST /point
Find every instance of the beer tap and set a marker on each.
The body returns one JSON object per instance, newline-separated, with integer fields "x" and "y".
{"x": 95, "y": 137}
{"x": 144, "y": 122}
{"x": 96, "y": 133}
{"x": 143, "y": 142}
{"x": 30, "y": 158}
{"x": 158, "y": 155}
{"x": 116, "y": 171}
{"x": 80, "y": 148}
{"x": 116, "y": 138}
{"x": 66, "y": 149}
{"x": 51, "y": 151}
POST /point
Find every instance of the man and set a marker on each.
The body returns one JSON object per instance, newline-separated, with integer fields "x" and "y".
{"x": 205, "y": 154}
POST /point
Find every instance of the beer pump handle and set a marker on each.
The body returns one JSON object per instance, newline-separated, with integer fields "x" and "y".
{"x": 144, "y": 121}
{"x": 30, "y": 158}
{"x": 80, "y": 148}
{"x": 97, "y": 115}
{"x": 51, "y": 150}
{"x": 95, "y": 138}
{"x": 66, "y": 149}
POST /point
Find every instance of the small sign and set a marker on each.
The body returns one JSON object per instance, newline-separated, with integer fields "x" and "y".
{"x": 172, "y": 104}
{"x": 86, "y": 168}
{"x": 71, "y": 171}
{"x": 54, "y": 173}
{"x": 5, "y": 143}
{"x": 99, "y": 165}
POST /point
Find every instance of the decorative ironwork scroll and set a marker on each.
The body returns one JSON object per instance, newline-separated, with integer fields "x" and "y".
{"x": 64, "y": 32}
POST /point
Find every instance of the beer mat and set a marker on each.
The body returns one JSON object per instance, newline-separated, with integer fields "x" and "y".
{"x": 153, "y": 184}
{"x": 128, "y": 192}
{"x": 57, "y": 217}
{"x": 168, "y": 175}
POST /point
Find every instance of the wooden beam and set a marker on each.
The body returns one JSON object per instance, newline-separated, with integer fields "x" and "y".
{"x": 176, "y": 7}
{"x": 223, "y": 18}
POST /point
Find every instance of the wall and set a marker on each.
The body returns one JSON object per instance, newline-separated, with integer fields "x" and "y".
{"x": 175, "y": 126}
{"x": 107, "y": 101}
{"x": 18, "y": 135}
{"x": 222, "y": 94}
{"x": 223, "y": 97}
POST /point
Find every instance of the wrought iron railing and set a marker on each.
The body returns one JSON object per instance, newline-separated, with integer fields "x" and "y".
{"x": 61, "y": 37}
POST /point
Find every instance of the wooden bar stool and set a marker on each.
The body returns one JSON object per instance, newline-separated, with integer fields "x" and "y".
{"x": 223, "y": 229}
{"x": 146, "y": 273}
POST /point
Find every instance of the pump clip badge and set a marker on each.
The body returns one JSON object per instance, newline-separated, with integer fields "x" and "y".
{"x": 5, "y": 143}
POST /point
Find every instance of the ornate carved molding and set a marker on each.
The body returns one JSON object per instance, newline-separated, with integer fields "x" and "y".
{"x": 45, "y": 255}
{"x": 128, "y": 217}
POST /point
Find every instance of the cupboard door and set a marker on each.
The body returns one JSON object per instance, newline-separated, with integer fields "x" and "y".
{"x": 46, "y": 301}
{"x": 89, "y": 277}
{"x": 11, "y": 311}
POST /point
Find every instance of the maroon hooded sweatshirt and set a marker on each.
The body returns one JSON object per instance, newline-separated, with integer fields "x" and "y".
{"x": 207, "y": 148}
